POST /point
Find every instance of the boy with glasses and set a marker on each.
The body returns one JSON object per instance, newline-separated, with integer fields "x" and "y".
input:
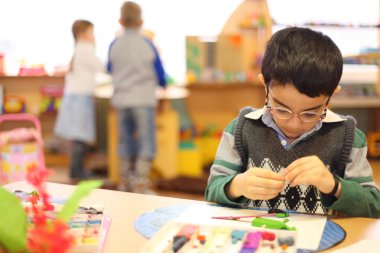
{"x": 295, "y": 154}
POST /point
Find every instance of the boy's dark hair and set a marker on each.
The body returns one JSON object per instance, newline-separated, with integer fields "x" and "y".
{"x": 80, "y": 26}
{"x": 305, "y": 58}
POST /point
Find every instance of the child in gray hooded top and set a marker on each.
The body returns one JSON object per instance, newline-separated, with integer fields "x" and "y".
{"x": 136, "y": 71}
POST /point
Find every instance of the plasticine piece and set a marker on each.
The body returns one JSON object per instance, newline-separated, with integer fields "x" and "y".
{"x": 237, "y": 235}
{"x": 268, "y": 223}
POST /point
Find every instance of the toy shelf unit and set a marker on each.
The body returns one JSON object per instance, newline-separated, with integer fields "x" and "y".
{"x": 360, "y": 95}
{"x": 235, "y": 54}
{"x": 38, "y": 95}
{"x": 360, "y": 86}
{"x": 367, "y": 58}
{"x": 222, "y": 78}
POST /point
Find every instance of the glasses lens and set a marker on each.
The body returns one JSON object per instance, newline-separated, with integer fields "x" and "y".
{"x": 310, "y": 116}
{"x": 281, "y": 113}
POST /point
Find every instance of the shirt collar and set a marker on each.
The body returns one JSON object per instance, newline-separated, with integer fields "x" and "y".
{"x": 331, "y": 117}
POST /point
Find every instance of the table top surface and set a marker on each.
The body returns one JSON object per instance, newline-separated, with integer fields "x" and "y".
{"x": 124, "y": 208}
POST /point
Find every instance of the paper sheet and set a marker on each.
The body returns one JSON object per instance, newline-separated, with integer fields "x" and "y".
{"x": 368, "y": 246}
{"x": 309, "y": 227}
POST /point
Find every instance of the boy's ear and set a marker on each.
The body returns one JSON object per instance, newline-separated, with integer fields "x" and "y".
{"x": 262, "y": 81}
{"x": 337, "y": 89}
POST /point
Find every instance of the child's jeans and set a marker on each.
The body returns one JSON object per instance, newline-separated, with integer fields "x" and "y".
{"x": 78, "y": 152}
{"x": 137, "y": 133}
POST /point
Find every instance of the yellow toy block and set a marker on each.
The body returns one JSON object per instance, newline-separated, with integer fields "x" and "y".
{"x": 208, "y": 147}
{"x": 190, "y": 162}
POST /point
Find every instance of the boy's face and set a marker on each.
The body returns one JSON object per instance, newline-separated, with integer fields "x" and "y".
{"x": 304, "y": 108}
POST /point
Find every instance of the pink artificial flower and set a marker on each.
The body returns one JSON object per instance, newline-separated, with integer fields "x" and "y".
{"x": 50, "y": 237}
{"x": 44, "y": 235}
{"x": 36, "y": 176}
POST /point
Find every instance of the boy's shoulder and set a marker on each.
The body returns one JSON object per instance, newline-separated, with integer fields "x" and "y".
{"x": 245, "y": 110}
{"x": 360, "y": 139}
{"x": 230, "y": 128}
{"x": 250, "y": 112}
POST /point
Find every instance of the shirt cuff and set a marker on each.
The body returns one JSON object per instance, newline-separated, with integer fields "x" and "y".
{"x": 349, "y": 198}
{"x": 223, "y": 196}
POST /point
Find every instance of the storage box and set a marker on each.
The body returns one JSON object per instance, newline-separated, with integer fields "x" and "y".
{"x": 208, "y": 147}
{"x": 189, "y": 160}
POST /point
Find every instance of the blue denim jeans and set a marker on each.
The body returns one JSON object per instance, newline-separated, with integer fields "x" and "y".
{"x": 137, "y": 133}
{"x": 78, "y": 153}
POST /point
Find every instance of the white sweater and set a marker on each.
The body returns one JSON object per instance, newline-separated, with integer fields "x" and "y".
{"x": 82, "y": 77}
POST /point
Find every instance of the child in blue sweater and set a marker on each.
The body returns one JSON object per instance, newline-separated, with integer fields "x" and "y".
{"x": 136, "y": 70}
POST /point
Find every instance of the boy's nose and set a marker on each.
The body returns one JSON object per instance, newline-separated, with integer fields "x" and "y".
{"x": 295, "y": 121}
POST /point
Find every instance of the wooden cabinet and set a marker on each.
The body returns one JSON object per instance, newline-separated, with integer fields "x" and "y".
{"x": 28, "y": 88}
{"x": 217, "y": 104}
{"x": 167, "y": 125}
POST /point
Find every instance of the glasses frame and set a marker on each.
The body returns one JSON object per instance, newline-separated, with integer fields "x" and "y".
{"x": 271, "y": 108}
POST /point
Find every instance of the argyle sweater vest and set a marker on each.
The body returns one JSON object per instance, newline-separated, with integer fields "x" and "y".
{"x": 259, "y": 146}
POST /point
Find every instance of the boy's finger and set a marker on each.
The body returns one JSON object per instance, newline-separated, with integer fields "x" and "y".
{"x": 263, "y": 173}
{"x": 290, "y": 176}
{"x": 266, "y": 191}
{"x": 296, "y": 163}
{"x": 297, "y": 173}
{"x": 300, "y": 179}
{"x": 269, "y": 183}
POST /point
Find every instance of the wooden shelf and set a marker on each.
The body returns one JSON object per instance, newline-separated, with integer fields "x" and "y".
{"x": 330, "y": 25}
{"x": 355, "y": 102}
{"x": 217, "y": 85}
{"x": 217, "y": 104}
{"x": 32, "y": 77}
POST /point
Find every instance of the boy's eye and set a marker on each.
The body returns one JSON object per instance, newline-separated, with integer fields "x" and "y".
{"x": 309, "y": 115}
{"x": 282, "y": 111}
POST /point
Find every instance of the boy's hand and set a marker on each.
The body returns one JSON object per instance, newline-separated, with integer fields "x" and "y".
{"x": 256, "y": 184}
{"x": 310, "y": 170}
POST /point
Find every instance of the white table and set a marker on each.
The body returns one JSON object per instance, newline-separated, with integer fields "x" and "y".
{"x": 124, "y": 208}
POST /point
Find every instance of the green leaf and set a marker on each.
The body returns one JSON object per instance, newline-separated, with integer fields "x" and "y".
{"x": 13, "y": 223}
{"x": 71, "y": 205}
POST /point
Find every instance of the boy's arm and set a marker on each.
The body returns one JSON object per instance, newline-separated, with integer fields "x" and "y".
{"x": 159, "y": 69}
{"x": 226, "y": 166}
{"x": 360, "y": 195}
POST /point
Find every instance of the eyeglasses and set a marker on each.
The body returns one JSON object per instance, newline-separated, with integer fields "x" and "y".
{"x": 307, "y": 117}
{"x": 284, "y": 113}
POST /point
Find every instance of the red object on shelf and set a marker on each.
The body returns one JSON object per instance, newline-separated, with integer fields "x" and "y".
{"x": 32, "y": 71}
{"x": 52, "y": 90}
